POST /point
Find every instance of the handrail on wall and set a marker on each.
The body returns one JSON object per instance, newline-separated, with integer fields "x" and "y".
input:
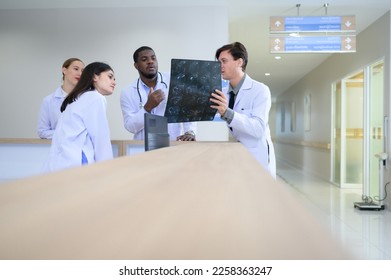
{"x": 120, "y": 143}
{"x": 307, "y": 144}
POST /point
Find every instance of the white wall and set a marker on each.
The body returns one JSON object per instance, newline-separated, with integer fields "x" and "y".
{"x": 35, "y": 43}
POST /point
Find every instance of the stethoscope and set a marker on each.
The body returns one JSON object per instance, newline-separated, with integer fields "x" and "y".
{"x": 138, "y": 88}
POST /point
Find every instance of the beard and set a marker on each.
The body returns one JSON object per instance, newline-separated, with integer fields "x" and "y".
{"x": 149, "y": 75}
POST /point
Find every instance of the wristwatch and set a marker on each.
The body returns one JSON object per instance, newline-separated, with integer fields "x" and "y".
{"x": 190, "y": 132}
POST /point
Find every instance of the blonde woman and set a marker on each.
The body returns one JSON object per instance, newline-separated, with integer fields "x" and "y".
{"x": 50, "y": 108}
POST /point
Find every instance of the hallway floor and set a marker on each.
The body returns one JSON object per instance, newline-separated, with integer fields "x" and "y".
{"x": 366, "y": 234}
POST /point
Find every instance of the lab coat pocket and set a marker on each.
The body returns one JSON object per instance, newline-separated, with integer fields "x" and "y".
{"x": 245, "y": 111}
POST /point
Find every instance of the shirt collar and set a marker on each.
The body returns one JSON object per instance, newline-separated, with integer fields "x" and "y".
{"x": 63, "y": 93}
{"x": 158, "y": 81}
{"x": 237, "y": 88}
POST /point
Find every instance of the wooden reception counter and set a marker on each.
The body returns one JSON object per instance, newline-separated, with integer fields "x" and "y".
{"x": 192, "y": 201}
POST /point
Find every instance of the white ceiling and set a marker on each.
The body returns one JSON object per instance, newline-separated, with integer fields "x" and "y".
{"x": 249, "y": 24}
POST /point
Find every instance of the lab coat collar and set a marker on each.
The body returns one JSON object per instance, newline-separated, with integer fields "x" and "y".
{"x": 59, "y": 93}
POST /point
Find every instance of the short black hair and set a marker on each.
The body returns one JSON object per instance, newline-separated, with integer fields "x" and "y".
{"x": 139, "y": 50}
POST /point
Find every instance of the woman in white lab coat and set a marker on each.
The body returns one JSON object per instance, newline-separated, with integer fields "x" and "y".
{"x": 50, "y": 107}
{"x": 82, "y": 135}
{"x": 248, "y": 116}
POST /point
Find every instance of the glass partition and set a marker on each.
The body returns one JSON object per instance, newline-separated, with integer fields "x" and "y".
{"x": 358, "y": 129}
{"x": 376, "y": 127}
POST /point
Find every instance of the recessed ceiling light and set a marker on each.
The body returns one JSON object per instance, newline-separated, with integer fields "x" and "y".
{"x": 294, "y": 34}
{"x": 267, "y": 74}
{"x": 277, "y": 57}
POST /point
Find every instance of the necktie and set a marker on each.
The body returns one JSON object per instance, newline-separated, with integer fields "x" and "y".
{"x": 231, "y": 99}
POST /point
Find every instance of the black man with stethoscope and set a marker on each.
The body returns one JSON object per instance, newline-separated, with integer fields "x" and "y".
{"x": 148, "y": 94}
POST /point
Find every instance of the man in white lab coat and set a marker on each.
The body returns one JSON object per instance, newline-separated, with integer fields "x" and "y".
{"x": 245, "y": 105}
{"x": 148, "y": 94}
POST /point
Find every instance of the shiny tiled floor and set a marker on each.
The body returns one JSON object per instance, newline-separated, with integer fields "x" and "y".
{"x": 366, "y": 234}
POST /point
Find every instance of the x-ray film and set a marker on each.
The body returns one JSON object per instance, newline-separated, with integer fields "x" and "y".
{"x": 191, "y": 85}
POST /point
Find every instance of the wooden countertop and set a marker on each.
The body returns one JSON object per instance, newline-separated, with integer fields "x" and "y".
{"x": 193, "y": 201}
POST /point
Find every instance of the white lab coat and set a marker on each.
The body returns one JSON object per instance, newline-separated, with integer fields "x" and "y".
{"x": 49, "y": 113}
{"x": 133, "y": 113}
{"x": 250, "y": 122}
{"x": 82, "y": 127}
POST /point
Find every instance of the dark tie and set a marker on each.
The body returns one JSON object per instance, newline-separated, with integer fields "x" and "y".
{"x": 231, "y": 99}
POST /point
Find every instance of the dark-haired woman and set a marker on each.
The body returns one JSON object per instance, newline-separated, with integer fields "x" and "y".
{"x": 82, "y": 135}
